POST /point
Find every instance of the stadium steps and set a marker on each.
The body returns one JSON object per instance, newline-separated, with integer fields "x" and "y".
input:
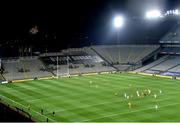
{"x": 2, "y": 72}
{"x": 2, "y": 77}
{"x": 26, "y": 76}
{"x": 129, "y": 68}
{"x": 146, "y": 58}
{"x": 163, "y": 60}
{"x": 151, "y": 54}
{"x": 172, "y": 67}
{"x": 46, "y": 67}
{"x": 151, "y": 65}
{"x": 103, "y": 58}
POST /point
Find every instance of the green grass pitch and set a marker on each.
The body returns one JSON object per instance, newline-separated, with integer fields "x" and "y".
{"x": 97, "y": 98}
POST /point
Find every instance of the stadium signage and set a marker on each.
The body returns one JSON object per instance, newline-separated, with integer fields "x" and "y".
{"x": 4, "y": 82}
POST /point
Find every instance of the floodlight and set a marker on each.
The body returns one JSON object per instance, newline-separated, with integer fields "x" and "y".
{"x": 153, "y": 14}
{"x": 118, "y": 22}
{"x": 172, "y": 12}
{"x": 176, "y": 12}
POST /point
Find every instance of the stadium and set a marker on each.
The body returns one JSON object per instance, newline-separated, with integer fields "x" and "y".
{"x": 116, "y": 82}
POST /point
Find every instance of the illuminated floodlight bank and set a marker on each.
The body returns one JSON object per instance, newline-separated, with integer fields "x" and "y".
{"x": 172, "y": 12}
{"x": 176, "y": 12}
{"x": 153, "y": 14}
{"x": 118, "y": 21}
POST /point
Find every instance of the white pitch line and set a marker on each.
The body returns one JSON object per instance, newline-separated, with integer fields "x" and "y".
{"x": 86, "y": 106}
{"x": 25, "y": 107}
{"x": 142, "y": 84}
{"x": 128, "y": 112}
{"x": 164, "y": 99}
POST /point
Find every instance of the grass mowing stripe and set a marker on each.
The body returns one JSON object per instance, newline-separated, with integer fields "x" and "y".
{"x": 127, "y": 80}
{"x": 130, "y": 112}
{"x": 104, "y": 103}
{"x": 96, "y": 110}
{"x": 75, "y": 100}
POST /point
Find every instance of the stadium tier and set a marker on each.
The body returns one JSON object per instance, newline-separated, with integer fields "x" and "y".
{"x": 172, "y": 36}
{"x": 168, "y": 64}
{"x": 77, "y": 61}
{"x": 26, "y": 68}
{"x": 125, "y": 54}
{"x": 92, "y": 59}
{"x": 175, "y": 69}
{"x": 122, "y": 67}
{"x": 11, "y": 67}
{"x": 146, "y": 67}
{"x": 171, "y": 50}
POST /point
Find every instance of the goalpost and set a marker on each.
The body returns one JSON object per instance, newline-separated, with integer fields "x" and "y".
{"x": 63, "y": 74}
{"x": 68, "y": 74}
{"x": 57, "y": 67}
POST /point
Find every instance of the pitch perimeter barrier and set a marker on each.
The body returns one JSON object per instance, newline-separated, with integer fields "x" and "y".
{"x": 52, "y": 77}
{"x": 41, "y": 78}
{"x": 93, "y": 73}
{"x": 148, "y": 74}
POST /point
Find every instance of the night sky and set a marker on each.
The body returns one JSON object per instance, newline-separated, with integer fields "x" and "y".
{"x": 76, "y": 23}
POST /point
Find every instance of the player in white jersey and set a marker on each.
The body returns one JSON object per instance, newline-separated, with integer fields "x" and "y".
{"x": 137, "y": 92}
{"x": 155, "y": 96}
{"x": 125, "y": 95}
{"x": 156, "y": 107}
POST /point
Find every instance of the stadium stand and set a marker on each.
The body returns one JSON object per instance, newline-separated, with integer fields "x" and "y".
{"x": 125, "y": 53}
{"x": 175, "y": 69}
{"x": 170, "y": 50}
{"x": 38, "y": 69}
{"x": 81, "y": 69}
{"x": 124, "y": 56}
{"x": 2, "y": 79}
{"x": 92, "y": 59}
{"x": 172, "y": 36}
{"x": 11, "y": 67}
{"x": 25, "y": 68}
{"x": 148, "y": 66}
{"x": 122, "y": 67}
{"x": 81, "y": 60}
{"x": 168, "y": 64}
